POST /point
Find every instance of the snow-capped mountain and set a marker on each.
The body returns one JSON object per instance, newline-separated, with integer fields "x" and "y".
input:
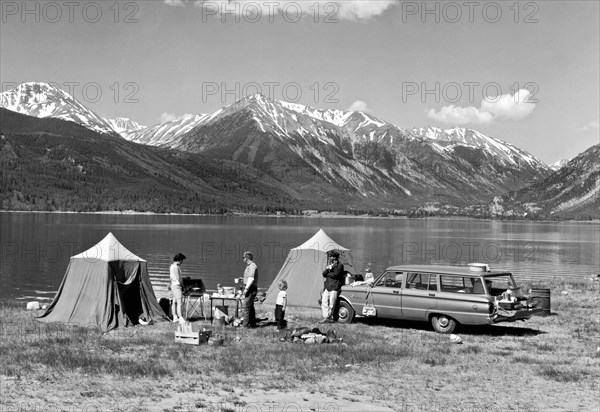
{"x": 445, "y": 140}
{"x": 124, "y": 126}
{"x": 287, "y": 119}
{"x": 164, "y": 134}
{"x": 359, "y": 151}
{"x": 44, "y": 100}
{"x": 559, "y": 164}
{"x": 309, "y": 150}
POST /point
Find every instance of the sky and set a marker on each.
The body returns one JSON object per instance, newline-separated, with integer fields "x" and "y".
{"x": 525, "y": 72}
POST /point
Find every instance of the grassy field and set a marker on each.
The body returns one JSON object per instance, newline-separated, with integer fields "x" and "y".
{"x": 546, "y": 363}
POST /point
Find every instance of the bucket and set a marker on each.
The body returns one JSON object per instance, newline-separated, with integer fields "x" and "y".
{"x": 543, "y": 297}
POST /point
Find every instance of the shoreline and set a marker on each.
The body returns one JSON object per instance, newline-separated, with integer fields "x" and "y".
{"x": 320, "y": 215}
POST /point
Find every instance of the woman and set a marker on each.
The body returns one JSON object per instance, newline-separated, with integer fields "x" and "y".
{"x": 176, "y": 281}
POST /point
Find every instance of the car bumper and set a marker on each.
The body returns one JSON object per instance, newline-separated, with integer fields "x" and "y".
{"x": 509, "y": 316}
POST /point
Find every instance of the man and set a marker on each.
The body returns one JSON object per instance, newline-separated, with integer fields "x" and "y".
{"x": 249, "y": 292}
{"x": 334, "y": 279}
{"x": 175, "y": 286}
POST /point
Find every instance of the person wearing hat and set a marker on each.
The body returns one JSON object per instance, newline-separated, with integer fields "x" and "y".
{"x": 176, "y": 283}
{"x": 334, "y": 279}
{"x": 249, "y": 291}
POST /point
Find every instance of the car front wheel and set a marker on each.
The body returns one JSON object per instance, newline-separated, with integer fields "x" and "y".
{"x": 345, "y": 312}
{"x": 443, "y": 323}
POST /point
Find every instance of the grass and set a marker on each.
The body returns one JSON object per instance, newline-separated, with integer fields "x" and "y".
{"x": 561, "y": 374}
{"x": 382, "y": 363}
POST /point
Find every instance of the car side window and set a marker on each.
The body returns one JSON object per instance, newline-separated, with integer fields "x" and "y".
{"x": 457, "y": 284}
{"x": 417, "y": 281}
{"x": 390, "y": 280}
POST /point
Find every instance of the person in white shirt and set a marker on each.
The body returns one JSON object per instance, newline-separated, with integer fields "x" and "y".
{"x": 369, "y": 278}
{"x": 249, "y": 291}
{"x": 176, "y": 284}
{"x": 280, "y": 305}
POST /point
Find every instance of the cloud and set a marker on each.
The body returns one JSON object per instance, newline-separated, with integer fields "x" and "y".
{"x": 590, "y": 126}
{"x": 357, "y": 10}
{"x": 512, "y": 107}
{"x": 460, "y": 115}
{"x": 169, "y": 117}
{"x": 175, "y": 3}
{"x": 359, "y": 106}
{"x": 318, "y": 10}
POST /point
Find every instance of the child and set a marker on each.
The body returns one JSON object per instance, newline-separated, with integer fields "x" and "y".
{"x": 369, "y": 278}
{"x": 280, "y": 305}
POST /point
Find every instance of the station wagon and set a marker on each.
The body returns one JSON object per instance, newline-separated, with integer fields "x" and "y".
{"x": 443, "y": 295}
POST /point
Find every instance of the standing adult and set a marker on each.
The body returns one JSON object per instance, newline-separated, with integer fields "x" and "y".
{"x": 176, "y": 284}
{"x": 249, "y": 291}
{"x": 334, "y": 279}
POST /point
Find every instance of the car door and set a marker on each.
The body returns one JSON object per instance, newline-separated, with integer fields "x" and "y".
{"x": 460, "y": 297}
{"x": 386, "y": 295}
{"x": 419, "y": 295}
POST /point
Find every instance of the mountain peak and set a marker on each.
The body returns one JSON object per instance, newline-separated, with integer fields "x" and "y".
{"x": 257, "y": 97}
{"x": 41, "y": 100}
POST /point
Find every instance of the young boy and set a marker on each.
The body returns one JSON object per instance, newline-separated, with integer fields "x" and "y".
{"x": 280, "y": 305}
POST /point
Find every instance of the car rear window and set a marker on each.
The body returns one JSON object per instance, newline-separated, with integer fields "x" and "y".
{"x": 459, "y": 284}
{"x": 499, "y": 284}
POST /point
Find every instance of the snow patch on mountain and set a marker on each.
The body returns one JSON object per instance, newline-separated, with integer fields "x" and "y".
{"x": 124, "y": 126}
{"x": 166, "y": 134}
{"x": 559, "y": 164}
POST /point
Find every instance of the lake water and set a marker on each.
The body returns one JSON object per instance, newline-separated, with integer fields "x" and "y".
{"x": 36, "y": 247}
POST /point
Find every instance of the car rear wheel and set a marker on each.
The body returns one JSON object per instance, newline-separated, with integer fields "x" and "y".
{"x": 345, "y": 312}
{"x": 443, "y": 323}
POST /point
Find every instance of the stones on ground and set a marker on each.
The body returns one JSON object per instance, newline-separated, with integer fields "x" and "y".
{"x": 35, "y": 305}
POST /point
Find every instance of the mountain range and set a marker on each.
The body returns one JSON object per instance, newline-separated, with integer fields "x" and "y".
{"x": 352, "y": 150}
{"x": 322, "y": 158}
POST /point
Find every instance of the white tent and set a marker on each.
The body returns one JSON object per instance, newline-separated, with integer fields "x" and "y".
{"x": 303, "y": 270}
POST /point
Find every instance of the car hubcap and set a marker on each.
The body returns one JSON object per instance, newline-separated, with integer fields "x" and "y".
{"x": 343, "y": 314}
{"x": 443, "y": 322}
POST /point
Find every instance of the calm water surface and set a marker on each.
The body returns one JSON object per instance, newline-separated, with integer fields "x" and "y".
{"x": 36, "y": 247}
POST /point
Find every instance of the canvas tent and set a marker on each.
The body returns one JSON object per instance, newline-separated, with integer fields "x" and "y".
{"x": 303, "y": 270}
{"x": 108, "y": 286}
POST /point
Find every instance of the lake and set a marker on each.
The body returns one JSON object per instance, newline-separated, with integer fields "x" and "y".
{"x": 35, "y": 247}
